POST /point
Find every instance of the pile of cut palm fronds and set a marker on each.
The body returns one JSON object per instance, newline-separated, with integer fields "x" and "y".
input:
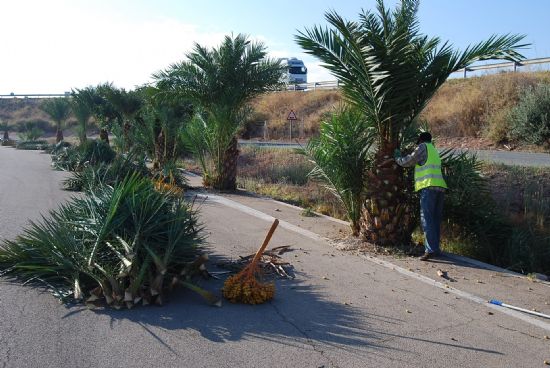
{"x": 117, "y": 245}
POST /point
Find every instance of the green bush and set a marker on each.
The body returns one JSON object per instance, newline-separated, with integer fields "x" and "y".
{"x": 32, "y": 145}
{"x": 530, "y": 119}
{"x": 73, "y": 158}
{"x": 470, "y": 212}
{"x": 91, "y": 176}
{"x": 341, "y": 158}
{"x": 8, "y": 142}
{"x": 122, "y": 245}
{"x": 475, "y": 225}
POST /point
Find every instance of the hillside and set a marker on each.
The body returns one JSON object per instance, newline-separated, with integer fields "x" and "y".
{"x": 469, "y": 111}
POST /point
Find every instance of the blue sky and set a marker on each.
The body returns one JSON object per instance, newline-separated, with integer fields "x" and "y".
{"x": 56, "y": 45}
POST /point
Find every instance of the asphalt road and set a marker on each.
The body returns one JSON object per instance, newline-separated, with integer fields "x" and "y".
{"x": 339, "y": 311}
{"x": 502, "y": 157}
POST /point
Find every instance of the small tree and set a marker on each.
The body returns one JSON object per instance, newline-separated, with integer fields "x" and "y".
{"x": 221, "y": 81}
{"x": 59, "y": 110}
{"x": 80, "y": 105}
{"x": 128, "y": 105}
{"x": 103, "y": 111}
{"x": 341, "y": 158}
{"x": 5, "y": 127}
{"x": 159, "y": 128}
{"x": 390, "y": 71}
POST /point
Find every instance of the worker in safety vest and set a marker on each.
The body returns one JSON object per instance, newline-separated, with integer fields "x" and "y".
{"x": 428, "y": 180}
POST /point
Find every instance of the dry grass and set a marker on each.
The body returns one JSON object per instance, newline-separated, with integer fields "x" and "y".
{"x": 476, "y": 107}
{"x": 282, "y": 174}
{"x": 473, "y": 108}
{"x": 308, "y": 106}
{"x": 523, "y": 193}
{"x": 16, "y": 111}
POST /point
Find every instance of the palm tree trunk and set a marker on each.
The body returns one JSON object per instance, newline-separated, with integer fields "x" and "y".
{"x": 387, "y": 215}
{"x": 127, "y": 143}
{"x": 169, "y": 148}
{"x": 227, "y": 178}
{"x": 59, "y": 135}
{"x": 82, "y": 137}
{"x": 104, "y": 135}
{"x": 159, "y": 159}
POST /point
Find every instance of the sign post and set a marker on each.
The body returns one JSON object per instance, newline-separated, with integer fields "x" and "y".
{"x": 291, "y": 117}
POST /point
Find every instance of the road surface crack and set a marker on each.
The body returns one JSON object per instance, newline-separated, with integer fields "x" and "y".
{"x": 518, "y": 331}
{"x": 309, "y": 340}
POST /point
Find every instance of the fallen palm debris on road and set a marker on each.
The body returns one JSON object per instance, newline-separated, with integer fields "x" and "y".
{"x": 270, "y": 263}
{"x": 244, "y": 287}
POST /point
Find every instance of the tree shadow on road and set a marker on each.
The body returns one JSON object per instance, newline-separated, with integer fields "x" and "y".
{"x": 300, "y": 316}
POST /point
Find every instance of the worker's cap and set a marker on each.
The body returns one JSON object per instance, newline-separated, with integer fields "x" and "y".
{"x": 424, "y": 137}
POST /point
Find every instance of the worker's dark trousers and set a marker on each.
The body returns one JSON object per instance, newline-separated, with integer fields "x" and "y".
{"x": 431, "y": 213}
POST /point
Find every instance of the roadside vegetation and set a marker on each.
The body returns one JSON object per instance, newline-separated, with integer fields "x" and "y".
{"x": 475, "y": 111}
{"x": 130, "y": 238}
{"x": 494, "y": 213}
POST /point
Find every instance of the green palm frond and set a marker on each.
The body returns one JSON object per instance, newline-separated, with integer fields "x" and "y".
{"x": 58, "y": 109}
{"x": 127, "y": 240}
{"x": 341, "y": 155}
{"x": 387, "y": 67}
{"x": 220, "y": 82}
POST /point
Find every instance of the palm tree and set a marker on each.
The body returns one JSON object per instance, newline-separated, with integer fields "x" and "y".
{"x": 5, "y": 127}
{"x": 82, "y": 110}
{"x": 128, "y": 105}
{"x": 221, "y": 81}
{"x": 390, "y": 70}
{"x": 59, "y": 110}
{"x": 160, "y": 126}
{"x": 341, "y": 158}
{"x": 103, "y": 111}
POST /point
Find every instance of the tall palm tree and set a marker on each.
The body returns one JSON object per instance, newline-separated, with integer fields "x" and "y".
{"x": 221, "y": 81}
{"x": 128, "y": 105}
{"x": 5, "y": 127}
{"x": 82, "y": 110}
{"x": 59, "y": 110}
{"x": 160, "y": 126}
{"x": 103, "y": 111}
{"x": 390, "y": 70}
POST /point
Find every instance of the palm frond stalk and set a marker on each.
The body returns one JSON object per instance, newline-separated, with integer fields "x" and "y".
{"x": 389, "y": 70}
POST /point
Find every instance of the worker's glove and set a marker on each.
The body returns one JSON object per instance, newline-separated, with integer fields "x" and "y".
{"x": 397, "y": 153}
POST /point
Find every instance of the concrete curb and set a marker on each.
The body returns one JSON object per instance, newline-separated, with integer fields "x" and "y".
{"x": 452, "y": 256}
{"x": 427, "y": 280}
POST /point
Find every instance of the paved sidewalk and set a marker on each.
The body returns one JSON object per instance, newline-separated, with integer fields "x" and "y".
{"x": 484, "y": 281}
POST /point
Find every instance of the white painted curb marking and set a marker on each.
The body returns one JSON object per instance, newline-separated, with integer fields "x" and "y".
{"x": 311, "y": 235}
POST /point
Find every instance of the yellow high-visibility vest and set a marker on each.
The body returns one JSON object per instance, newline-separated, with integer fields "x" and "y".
{"x": 429, "y": 174}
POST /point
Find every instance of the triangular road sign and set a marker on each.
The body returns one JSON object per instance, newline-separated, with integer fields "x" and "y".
{"x": 291, "y": 116}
